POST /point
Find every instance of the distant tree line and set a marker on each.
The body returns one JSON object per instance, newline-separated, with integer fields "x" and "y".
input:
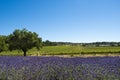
{"x": 50, "y": 43}
{"x": 97, "y": 44}
{"x": 94, "y": 44}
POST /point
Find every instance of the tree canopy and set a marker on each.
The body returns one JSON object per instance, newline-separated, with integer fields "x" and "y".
{"x": 24, "y": 40}
{"x": 3, "y": 44}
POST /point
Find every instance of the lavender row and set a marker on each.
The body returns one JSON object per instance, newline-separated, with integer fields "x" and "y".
{"x": 56, "y": 68}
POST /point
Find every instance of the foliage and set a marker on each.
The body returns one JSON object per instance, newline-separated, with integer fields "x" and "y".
{"x": 49, "y": 43}
{"x": 24, "y": 40}
{"x": 3, "y": 43}
{"x": 56, "y": 68}
{"x": 95, "y": 44}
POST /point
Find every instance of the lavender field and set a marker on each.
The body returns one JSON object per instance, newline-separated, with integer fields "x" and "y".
{"x": 57, "y": 68}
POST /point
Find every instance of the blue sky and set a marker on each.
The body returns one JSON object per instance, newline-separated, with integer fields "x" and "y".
{"x": 63, "y": 20}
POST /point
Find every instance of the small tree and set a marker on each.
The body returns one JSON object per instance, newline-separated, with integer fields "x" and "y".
{"x": 24, "y": 40}
{"x": 47, "y": 43}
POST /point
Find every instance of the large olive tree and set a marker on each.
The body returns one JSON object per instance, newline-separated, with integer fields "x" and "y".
{"x": 24, "y": 40}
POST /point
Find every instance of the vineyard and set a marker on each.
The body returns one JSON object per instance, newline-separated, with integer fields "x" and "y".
{"x": 66, "y": 50}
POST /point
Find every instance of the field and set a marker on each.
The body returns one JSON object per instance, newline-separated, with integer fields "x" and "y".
{"x": 72, "y": 50}
{"x": 14, "y": 66}
{"x": 67, "y": 50}
{"x": 57, "y": 68}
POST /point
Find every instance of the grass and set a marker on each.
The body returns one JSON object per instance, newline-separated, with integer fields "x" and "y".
{"x": 67, "y": 50}
{"x": 11, "y": 53}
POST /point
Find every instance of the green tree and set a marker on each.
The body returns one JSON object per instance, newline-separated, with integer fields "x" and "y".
{"x": 24, "y": 40}
{"x": 3, "y": 43}
{"x": 47, "y": 43}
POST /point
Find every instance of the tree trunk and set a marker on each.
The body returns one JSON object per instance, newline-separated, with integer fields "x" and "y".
{"x": 24, "y": 53}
